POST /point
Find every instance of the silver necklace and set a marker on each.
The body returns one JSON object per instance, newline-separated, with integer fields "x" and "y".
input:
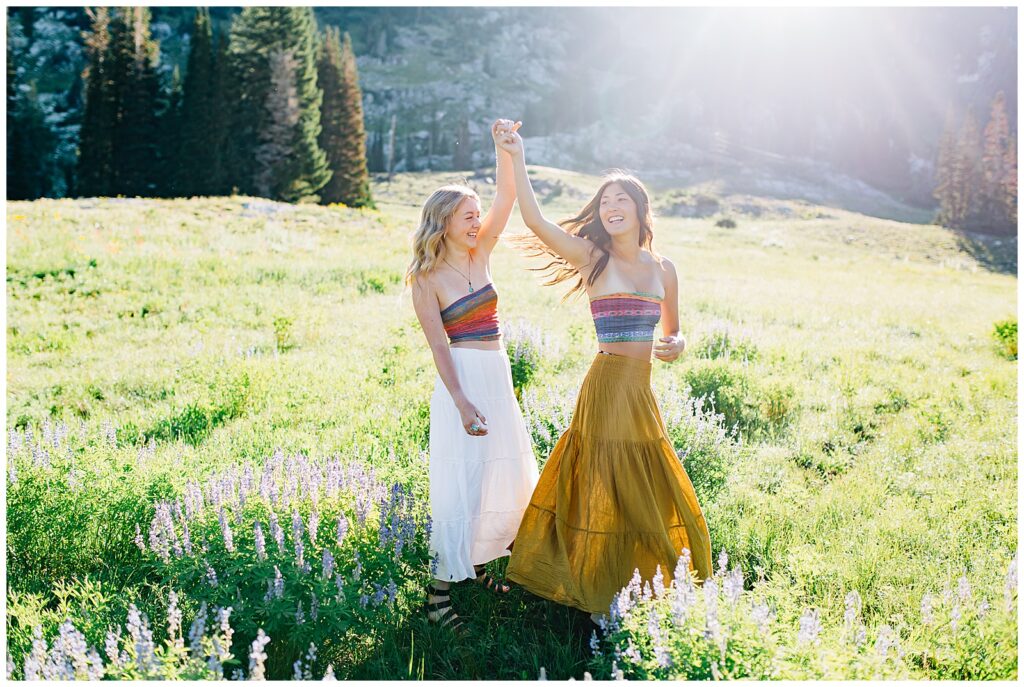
{"x": 468, "y": 280}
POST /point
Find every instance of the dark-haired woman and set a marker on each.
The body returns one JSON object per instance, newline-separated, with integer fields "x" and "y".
{"x": 613, "y": 496}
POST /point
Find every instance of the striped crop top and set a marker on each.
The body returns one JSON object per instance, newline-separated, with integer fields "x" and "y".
{"x": 625, "y": 316}
{"x": 474, "y": 317}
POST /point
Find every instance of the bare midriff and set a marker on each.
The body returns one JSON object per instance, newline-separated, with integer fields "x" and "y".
{"x": 641, "y": 350}
{"x": 479, "y": 345}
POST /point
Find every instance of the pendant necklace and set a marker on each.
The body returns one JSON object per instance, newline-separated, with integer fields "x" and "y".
{"x": 468, "y": 280}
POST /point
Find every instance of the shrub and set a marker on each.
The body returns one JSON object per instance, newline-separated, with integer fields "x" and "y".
{"x": 1005, "y": 334}
{"x": 726, "y": 223}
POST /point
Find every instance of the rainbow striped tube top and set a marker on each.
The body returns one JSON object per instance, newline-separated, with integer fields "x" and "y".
{"x": 625, "y": 316}
{"x": 474, "y": 317}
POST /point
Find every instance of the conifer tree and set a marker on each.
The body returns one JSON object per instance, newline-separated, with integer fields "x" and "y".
{"x": 968, "y": 173}
{"x": 274, "y": 155}
{"x": 1010, "y": 182}
{"x": 343, "y": 133}
{"x": 136, "y": 88}
{"x": 996, "y": 165}
{"x": 96, "y": 137}
{"x": 258, "y": 32}
{"x": 173, "y": 159}
{"x": 197, "y": 142}
{"x": 223, "y": 96}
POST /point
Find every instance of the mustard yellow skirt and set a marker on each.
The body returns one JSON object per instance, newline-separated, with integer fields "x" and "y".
{"x": 612, "y": 497}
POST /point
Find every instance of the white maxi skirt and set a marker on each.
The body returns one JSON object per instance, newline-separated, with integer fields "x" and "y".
{"x": 480, "y": 486}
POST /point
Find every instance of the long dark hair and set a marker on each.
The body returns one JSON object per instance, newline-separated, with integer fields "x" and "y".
{"x": 587, "y": 224}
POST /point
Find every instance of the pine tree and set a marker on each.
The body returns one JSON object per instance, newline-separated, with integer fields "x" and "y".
{"x": 969, "y": 175}
{"x": 375, "y": 161}
{"x": 173, "y": 159}
{"x": 197, "y": 143}
{"x": 994, "y": 208}
{"x": 343, "y": 134}
{"x": 223, "y": 97}
{"x": 944, "y": 171}
{"x": 1010, "y": 183}
{"x": 274, "y": 155}
{"x": 257, "y": 33}
{"x": 96, "y": 137}
{"x": 136, "y": 88}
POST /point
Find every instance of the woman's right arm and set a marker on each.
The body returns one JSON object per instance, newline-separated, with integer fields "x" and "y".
{"x": 424, "y": 300}
{"x": 575, "y": 250}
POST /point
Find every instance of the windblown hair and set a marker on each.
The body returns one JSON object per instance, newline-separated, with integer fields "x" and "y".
{"x": 587, "y": 224}
{"x": 427, "y": 243}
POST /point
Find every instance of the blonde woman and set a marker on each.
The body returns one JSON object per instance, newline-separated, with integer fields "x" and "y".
{"x": 482, "y": 468}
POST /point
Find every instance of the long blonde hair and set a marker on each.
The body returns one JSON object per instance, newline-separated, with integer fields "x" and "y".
{"x": 427, "y": 241}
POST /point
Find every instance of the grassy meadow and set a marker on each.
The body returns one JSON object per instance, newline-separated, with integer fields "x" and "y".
{"x": 184, "y": 374}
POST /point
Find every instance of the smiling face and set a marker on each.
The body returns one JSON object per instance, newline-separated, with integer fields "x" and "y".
{"x": 618, "y": 211}
{"x": 463, "y": 227}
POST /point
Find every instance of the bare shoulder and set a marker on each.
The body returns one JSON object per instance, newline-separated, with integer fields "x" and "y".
{"x": 424, "y": 287}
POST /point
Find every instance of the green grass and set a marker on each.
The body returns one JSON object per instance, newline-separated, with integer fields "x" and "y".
{"x": 856, "y": 356}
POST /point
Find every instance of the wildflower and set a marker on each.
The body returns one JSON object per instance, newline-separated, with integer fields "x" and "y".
{"x": 358, "y": 571}
{"x": 713, "y": 628}
{"x": 760, "y": 613}
{"x": 300, "y": 617}
{"x": 339, "y": 582}
{"x": 211, "y": 574}
{"x": 595, "y": 644}
{"x": 631, "y": 653}
{"x": 342, "y": 528}
{"x": 329, "y": 675}
{"x": 682, "y": 567}
{"x": 955, "y": 617}
{"x": 733, "y": 585}
{"x": 174, "y": 620}
{"x": 364, "y": 600}
{"x": 887, "y": 639}
{"x": 328, "y": 563}
{"x": 196, "y": 632}
{"x": 810, "y": 627}
{"x": 543, "y": 676}
{"x": 276, "y": 532}
{"x": 963, "y": 589}
{"x": 314, "y": 607}
{"x": 983, "y": 608}
{"x": 392, "y": 590}
{"x": 926, "y": 609}
{"x": 312, "y": 525}
{"x": 186, "y": 539}
{"x": 115, "y": 658}
{"x": 139, "y": 542}
{"x": 225, "y": 529}
{"x": 142, "y": 636}
{"x": 723, "y": 562}
{"x": 300, "y": 561}
{"x": 261, "y": 542}
{"x": 278, "y": 583}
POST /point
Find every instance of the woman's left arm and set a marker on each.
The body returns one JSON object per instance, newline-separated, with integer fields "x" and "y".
{"x": 497, "y": 216}
{"x": 672, "y": 344}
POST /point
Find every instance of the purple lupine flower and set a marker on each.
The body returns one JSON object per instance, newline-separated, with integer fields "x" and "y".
{"x": 12, "y": 471}
{"x": 174, "y": 621}
{"x": 139, "y": 542}
{"x": 712, "y": 625}
{"x": 312, "y": 525}
{"x": 761, "y": 614}
{"x": 595, "y": 643}
{"x": 392, "y": 590}
{"x": 314, "y": 607}
{"x": 887, "y": 639}
{"x": 658, "y": 583}
{"x": 197, "y": 630}
{"x": 10, "y": 668}
{"x": 142, "y": 637}
{"x": 211, "y": 574}
{"x": 278, "y": 583}
{"x": 225, "y": 530}
{"x": 339, "y": 582}
{"x": 115, "y": 657}
{"x": 955, "y": 616}
{"x": 926, "y": 609}
{"x": 983, "y": 608}
{"x": 378, "y": 594}
{"x": 258, "y": 657}
{"x": 364, "y": 600}
{"x": 297, "y": 526}
{"x": 300, "y": 560}
{"x": 328, "y": 563}
{"x": 810, "y": 627}
{"x": 631, "y": 653}
{"x": 732, "y": 585}
{"x": 276, "y": 532}
{"x": 963, "y": 589}
{"x": 723, "y": 562}
{"x": 357, "y": 573}
{"x": 37, "y": 658}
{"x": 221, "y": 643}
{"x": 300, "y": 617}
{"x": 261, "y": 542}
{"x": 646, "y": 596}
{"x": 682, "y": 567}
{"x": 186, "y": 539}
{"x": 342, "y": 528}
